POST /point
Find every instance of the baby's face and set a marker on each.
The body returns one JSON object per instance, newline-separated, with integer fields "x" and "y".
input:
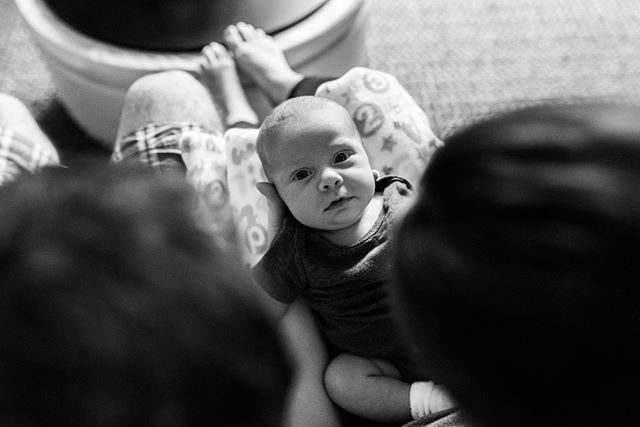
{"x": 322, "y": 172}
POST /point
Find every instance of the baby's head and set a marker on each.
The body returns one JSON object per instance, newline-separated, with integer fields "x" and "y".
{"x": 312, "y": 153}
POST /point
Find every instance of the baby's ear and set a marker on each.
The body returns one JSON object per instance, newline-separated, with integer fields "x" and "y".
{"x": 376, "y": 174}
{"x": 267, "y": 189}
{"x": 276, "y": 206}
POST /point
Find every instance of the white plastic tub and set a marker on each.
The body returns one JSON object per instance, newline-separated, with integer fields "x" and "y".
{"x": 92, "y": 76}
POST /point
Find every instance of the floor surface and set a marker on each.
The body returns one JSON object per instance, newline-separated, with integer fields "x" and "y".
{"x": 461, "y": 60}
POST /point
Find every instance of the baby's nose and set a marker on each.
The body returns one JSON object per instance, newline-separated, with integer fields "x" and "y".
{"x": 330, "y": 179}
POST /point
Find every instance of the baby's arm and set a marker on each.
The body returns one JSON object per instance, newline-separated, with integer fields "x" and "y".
{"x": 307, "y": 403}
{"x": 373, "y": 389}
{"x": 276, "y": 308}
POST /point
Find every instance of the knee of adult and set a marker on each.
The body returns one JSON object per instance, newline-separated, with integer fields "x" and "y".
{"x": 175, "y": 81}
{"x": 12, "y": 107}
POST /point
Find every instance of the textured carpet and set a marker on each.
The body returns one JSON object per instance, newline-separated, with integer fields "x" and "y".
{"x": 462, "y": 60}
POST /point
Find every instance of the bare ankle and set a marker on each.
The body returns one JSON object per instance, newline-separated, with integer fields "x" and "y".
{"x": 218, "y": 73}
{"x": 259, "y": 56}
{"x": 282, "y": 88}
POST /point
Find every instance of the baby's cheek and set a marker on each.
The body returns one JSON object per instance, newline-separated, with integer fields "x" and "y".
{"x": 289, "y": 199}
{"x": 363, "y": 183}
{"x": 291, "y": 203}
{"x": 303, "y": 206}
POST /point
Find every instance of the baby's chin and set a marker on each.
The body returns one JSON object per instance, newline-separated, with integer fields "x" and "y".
{"x": 337, "y": 226}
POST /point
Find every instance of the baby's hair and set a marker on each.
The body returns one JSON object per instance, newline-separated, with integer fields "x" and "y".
{"x": 517, "y": 267}
{"x": 290, "y": 113}
{"x": 118, "y": 308}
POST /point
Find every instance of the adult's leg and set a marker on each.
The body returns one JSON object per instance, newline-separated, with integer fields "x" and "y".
{"x": 258, "y": 55}
{"x": 158, "y": 109}
{"x": 219, "y": 74}
{"x": 167, "y": 97}
{"x": 23, "y": 145}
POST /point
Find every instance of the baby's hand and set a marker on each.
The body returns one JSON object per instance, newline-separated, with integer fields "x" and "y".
{"x": 276, "y": 206}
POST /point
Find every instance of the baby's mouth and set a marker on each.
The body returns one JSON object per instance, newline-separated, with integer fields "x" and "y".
{"x": 337, "y": 203}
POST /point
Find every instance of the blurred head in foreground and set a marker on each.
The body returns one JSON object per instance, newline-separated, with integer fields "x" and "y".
{"x": 117, "y": 308}
{"x": 517, "y": 267}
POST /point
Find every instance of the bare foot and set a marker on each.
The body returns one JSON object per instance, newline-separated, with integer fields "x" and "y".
{"x": 218, "y": 73}
{"x": 258, "y": 55}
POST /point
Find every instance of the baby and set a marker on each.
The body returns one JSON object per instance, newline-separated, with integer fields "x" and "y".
{"x": 331, "y": 249}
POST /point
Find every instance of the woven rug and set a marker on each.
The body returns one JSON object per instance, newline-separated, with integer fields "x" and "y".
{"x": 462, "y": 60}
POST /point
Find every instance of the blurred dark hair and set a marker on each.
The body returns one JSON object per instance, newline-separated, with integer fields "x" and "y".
{"x": 517, "y": 267}
{"x": 117, "y": 308}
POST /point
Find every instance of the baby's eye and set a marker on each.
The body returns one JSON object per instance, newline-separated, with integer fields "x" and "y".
{"x": 301, "y": 174}
{"x": 341, "y": 157}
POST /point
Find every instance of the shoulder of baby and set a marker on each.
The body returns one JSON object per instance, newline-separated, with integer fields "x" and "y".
{"x": 280, "y": 261}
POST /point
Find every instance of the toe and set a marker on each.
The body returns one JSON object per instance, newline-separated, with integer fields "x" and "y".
{"x": 221, "y": 52}
{"x": 206, "y": 54}
{"x": 246, "y": 31}
{"x": 209, "y": 53}
{"x": 217, "y": 49}
{"x": 232, "y": 37}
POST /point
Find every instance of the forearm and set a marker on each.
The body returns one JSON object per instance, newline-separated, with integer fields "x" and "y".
{"x": 307, "y": 403}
